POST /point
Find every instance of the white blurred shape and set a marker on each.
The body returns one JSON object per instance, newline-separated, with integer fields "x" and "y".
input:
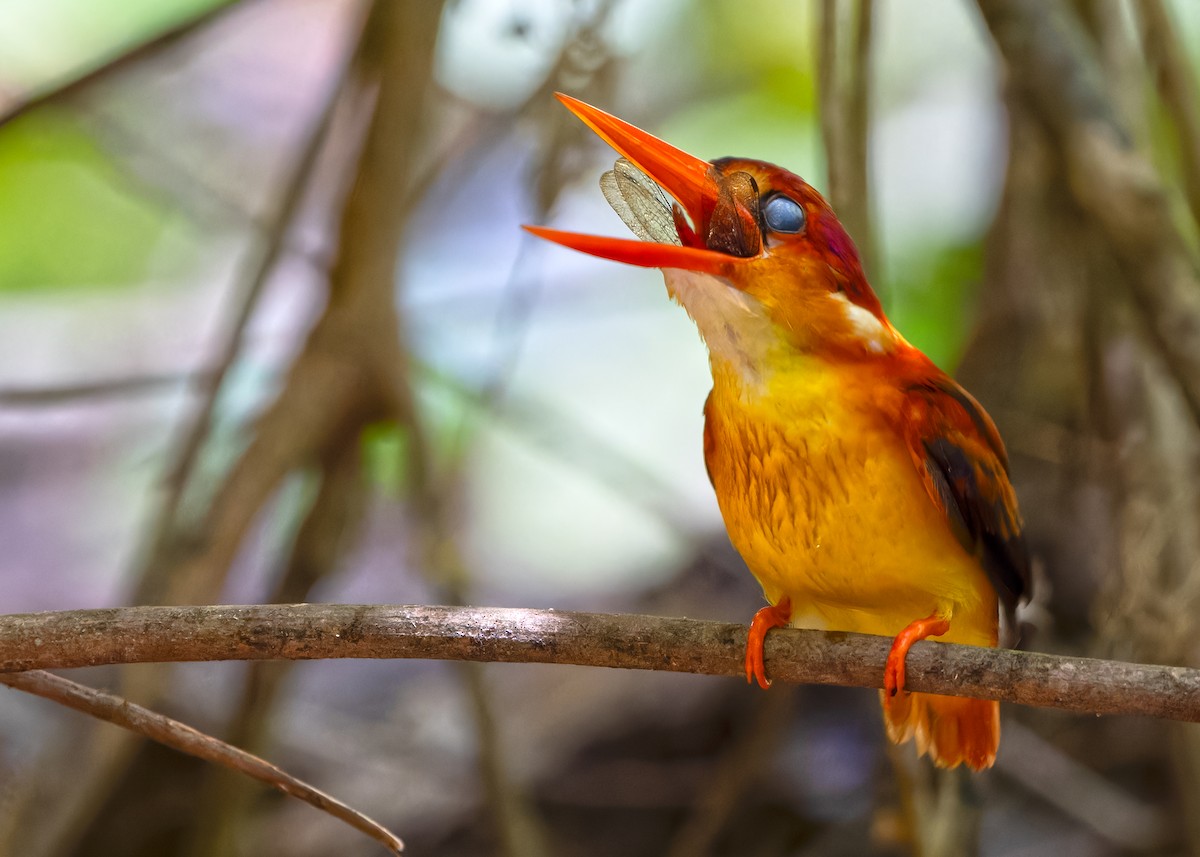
{"x": 495, "y": 53}
{"x": 937, "y": 144}
{"x": 937, "y": 166}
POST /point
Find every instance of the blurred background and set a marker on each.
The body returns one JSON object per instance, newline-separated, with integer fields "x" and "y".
{"x": 269, "y": 332}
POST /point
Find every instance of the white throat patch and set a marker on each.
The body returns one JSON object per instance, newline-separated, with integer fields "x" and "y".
{"x": 732, "y": 324}
{"x": 869, "y": 328}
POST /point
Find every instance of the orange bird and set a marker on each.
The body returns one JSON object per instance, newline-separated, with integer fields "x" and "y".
{"x": 865, "y": 489}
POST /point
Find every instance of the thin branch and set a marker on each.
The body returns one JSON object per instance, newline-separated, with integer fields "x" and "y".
{"x": 181, "y": 737}
{"x": 485, "y": 634}
{"x": 99, "y": 390}
{"x": 186, "y": 448}
{"x": 832, "y": 126}
{"x": 79, "y": 79}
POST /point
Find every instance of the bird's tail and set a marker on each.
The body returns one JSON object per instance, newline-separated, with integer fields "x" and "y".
{"x": 952, "y": 730}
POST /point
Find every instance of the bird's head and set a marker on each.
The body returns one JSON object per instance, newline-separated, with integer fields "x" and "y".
{"x": 752, "y": 251}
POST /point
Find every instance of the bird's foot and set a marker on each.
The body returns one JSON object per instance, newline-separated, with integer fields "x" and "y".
{"x": 775, "y": 616}
{"x": 893, "y": 673}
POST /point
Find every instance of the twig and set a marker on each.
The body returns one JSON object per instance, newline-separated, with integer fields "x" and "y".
{"x": 126, "y": 56}
{"x": 488, "y": 634}
{"x": 88, "y": 391}
{"x": 185, "y": 739}
{"x": 192, "y": 433}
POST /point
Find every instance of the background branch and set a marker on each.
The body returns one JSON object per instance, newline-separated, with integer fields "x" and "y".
{"x": 1049, "y": 62}
{"x": 844, "y": 88}
{"x": 488, "y": 634}
{"x": 1178, "y": 90}
{"x": 184, "y": 738}
{"x": 79, "y": 80}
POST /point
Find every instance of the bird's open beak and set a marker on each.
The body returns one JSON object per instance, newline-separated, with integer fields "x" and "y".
{"x": 692, "y": 182}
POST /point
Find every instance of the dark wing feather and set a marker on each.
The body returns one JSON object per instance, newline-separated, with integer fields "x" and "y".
{"x": 964, "y": 466}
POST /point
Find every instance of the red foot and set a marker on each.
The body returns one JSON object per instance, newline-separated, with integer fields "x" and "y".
{"x": 893, "y": 673}
{"x": 775, "y": 616}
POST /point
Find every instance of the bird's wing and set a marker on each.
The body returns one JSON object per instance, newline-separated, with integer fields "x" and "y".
{"x": 962, "y": 461}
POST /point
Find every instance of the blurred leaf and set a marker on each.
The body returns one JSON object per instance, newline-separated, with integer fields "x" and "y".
{"x": 760, "y": 54}
{"x": 43, "y": 42}
{"x": 931, "y": 293}
{"x": 773, "y": 123}
{"x": 385, "y": 457}
{"x": 67, "y": 217}
{"x": 757, "y": 37}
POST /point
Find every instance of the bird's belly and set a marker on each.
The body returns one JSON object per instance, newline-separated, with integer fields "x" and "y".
{"x": 828, "y": 509}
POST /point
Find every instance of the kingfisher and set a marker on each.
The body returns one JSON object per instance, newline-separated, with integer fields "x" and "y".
{"x": 865, "y": 489}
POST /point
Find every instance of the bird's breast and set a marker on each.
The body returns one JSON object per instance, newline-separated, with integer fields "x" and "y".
{"x": 821, "y": 498}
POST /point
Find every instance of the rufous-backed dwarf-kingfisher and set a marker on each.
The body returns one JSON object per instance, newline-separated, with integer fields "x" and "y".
{"x": 865, "y": 489}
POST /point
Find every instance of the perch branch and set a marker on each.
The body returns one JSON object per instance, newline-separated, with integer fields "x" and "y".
{"x": 320, "y": 631}
{"x": 180, "y": 736}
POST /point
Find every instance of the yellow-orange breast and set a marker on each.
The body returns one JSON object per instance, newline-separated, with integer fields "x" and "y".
{"x": 821, "y": 498}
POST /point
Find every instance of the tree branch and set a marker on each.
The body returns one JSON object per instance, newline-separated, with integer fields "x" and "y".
{"x": 181, "y": 737}
{"x": 1049, "y": 60}
{"x": 844, "y": 87}
{"x": 124, "y": 56}
{"x": 318, "y": 631}
{"x": 1178, "y": 89}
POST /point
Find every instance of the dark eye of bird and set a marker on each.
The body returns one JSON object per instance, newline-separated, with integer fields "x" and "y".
{"x": 783, "y": 214}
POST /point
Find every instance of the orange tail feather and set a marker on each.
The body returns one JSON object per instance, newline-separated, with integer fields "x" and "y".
{"x": 952, "y": 730}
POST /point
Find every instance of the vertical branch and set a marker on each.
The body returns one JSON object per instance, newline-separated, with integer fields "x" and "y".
{"x": 340, "y": 377}
{"x": 1178, "y": 90}
{"x": 169, "y": 530}
{"x": 518, "y": 829}
{"x": 830, "y": 104}
{"x": 844, "y": 89}
{"x": 255, "y": 271}
{"x": 1120, "y": 59}
{"x": 348, "y": 369}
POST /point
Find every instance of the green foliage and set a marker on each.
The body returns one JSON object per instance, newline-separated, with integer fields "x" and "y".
{"x": 385, "y": 457}
{"x": 67, "y": 216}
{"x": 930, "y": 299}
{"x": 770, "y": 114}
{"x": 43, "y": 42}
{"x": 762, "y": 123}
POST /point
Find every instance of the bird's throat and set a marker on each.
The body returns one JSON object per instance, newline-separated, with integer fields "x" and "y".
{"x": 735, "y": 327}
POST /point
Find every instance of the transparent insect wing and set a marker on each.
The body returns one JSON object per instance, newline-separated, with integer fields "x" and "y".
{"x": 640, "y": 203}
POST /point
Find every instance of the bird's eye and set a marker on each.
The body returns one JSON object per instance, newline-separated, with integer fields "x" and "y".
{"x": 783, "y": 214}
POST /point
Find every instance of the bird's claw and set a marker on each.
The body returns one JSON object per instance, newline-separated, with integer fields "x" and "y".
{"x": 893, "y": 672}
{"x": 774, "y": 616}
